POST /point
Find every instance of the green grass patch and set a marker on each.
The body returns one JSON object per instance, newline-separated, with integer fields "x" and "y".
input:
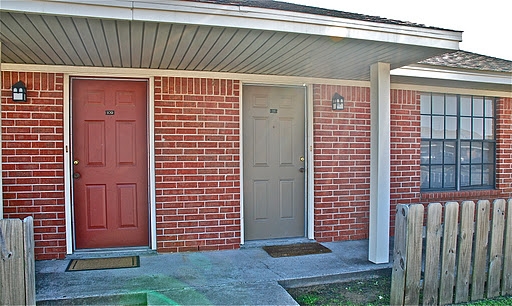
{"x": 500, "y": 301}
{"x": 371, "y": 291}
{"x": 364, "y": 292}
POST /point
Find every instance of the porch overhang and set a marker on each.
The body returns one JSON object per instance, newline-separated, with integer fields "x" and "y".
{"x": 208, "y": 37}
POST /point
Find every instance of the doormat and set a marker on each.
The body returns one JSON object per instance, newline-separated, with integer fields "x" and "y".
{"x": 103, "y": 263}
{"x": 298, "y": 249}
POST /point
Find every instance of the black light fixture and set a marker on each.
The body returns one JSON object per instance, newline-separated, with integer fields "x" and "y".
{"x": 338, "y": 102}
{"x": 19, "y": 92}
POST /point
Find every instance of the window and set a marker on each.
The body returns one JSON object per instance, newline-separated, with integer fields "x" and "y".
{"x": 458, "y": 142}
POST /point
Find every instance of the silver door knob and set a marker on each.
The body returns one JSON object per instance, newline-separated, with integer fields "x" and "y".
{"x": 76, "y": 175}
{"x": 302, "y": 169}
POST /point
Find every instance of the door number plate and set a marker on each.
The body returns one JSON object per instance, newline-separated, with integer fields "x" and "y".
{"x": 109, "y": 112}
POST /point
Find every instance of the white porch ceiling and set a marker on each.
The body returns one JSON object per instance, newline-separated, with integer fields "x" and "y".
{"x": 58, "y": 39}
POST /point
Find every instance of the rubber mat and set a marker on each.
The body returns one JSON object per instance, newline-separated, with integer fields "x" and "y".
{"x": 103, "y": 263}
{"x": 298, "y": 249}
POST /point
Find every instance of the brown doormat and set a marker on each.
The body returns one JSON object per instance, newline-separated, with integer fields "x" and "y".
{"x": 298, "y": 249}
{"x": 103, "y": 263}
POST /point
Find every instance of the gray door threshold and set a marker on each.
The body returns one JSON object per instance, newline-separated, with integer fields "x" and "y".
{"x": 114, "y": 252}
{"x": 269, "y": 242}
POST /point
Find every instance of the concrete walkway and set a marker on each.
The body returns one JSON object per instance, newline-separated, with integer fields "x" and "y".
{"x": 248, "y": 276}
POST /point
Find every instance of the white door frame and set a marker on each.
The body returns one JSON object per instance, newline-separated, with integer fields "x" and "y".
{"x": 310, "y": 169}
{"x": 68, "y": 168}
{"x": 309, "y": 231}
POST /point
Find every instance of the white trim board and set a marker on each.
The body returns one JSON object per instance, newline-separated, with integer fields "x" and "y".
{"x": 452, "y": 90}
{"x": 68, "y": 168}
{"x": 454, "y": 75}
{"x": 246, "y": 78}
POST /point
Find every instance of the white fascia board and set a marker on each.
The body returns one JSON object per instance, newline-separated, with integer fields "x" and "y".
{"x": 113, "y": 9}
{"x": 454, "y": 74}
{"x": 240, "y": 17}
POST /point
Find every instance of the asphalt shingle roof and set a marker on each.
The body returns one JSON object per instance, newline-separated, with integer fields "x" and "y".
{"x": 297, "y": 8}
{"x": 469, "y": 60}
{"x": 457, "y": 59}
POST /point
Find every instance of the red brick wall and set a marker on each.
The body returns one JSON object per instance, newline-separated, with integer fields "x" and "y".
{"x": 504, "y": 147}
{"x": 342, "y": 163}
{"x": 342, "y": 159}
{"x": 32, "y": 157}
{"x": 405, "y": 149}
{"x": 197, "y": 159}
{"x": 197, "y": 140}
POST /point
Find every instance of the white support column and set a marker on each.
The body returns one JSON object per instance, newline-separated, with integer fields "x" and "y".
{"x": 380, "y": 87}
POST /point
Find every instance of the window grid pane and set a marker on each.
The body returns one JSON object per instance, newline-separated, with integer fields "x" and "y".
{"x": 458, "y": 147}
{"x": 465, "y": 106}
{"x": 478, "y": 107}
{"x": 489, "y": 108}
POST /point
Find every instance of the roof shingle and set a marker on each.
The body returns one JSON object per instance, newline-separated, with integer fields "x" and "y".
{"x": 469, "y": 60}
{"x": 291, "y": 7}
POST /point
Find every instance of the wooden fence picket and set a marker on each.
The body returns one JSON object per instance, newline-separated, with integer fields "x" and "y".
{"x": 496, "y": 249}
{"x": 506, "y": 284}
{"x": 448, "y": 259}
{"x": 17, "y": 278}
{"x": 399, "y": 256}
{"x": 414, "y": 238}
{"x": 464, "y": 251}
{"x": 29, "y": 259}
{"x": 480, "y": 258}
{"x": 466, "y": 259}
{"x": 433, "y": 247}
{"x": 11, "y": 269}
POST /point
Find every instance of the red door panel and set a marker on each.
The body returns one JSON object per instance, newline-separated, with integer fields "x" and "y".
{"x": 110, "y": 182}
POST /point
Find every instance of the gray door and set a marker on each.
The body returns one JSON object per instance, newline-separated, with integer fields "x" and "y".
{"x": 274, "y": 151}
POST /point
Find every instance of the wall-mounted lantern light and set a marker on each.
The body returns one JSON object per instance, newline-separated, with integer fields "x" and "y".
{"x": 19, "y": 92}
{"x": 338, "y": 102}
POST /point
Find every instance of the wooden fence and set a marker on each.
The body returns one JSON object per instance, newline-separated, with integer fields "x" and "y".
{"x": 17, "y": 263}
{"x": 467, "y": 257}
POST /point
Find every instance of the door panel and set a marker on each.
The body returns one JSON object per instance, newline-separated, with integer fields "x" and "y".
{"x": 261, "y": 200}
{"x": 125, "y": 144}
{"x": 286, "y": 191}
{"x": 110, "y": 184}
{"x": 126, "y": 197}
{"x": 95, "y": 143}
{"x": 96, "y": 206}
{"x": 274, "y": 142}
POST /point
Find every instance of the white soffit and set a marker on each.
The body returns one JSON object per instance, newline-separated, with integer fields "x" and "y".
{"x": 205, "y": 37}
{"x": 240, "y": 17}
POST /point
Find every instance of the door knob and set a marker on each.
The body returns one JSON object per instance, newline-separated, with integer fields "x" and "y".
{"x": 76, "y": 175}
{"x": 76, "y": 162}
{"x": 302, "y": 170}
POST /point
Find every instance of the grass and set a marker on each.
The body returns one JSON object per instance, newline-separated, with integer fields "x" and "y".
{"x": 500, "y": 301}
{"x": 367, "y": 292}
{"x": 372, "y": 291}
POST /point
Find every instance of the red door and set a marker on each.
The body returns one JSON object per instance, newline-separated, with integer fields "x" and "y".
{"x": 110, "y": 164}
